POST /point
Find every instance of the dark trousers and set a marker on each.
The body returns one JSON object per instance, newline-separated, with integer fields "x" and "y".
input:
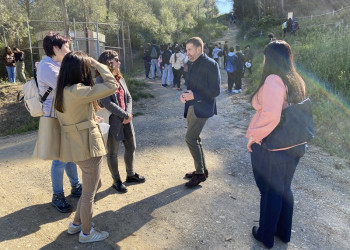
{"x": 238, "y": 79}
{"x": 230, "y": 80}
{"x": 273, "y": 173}
{"x": 194, "y": 128}
{"x": 129, "y": 153}
{"x": 147, "y": 68}
{"x": 177, "y": 76}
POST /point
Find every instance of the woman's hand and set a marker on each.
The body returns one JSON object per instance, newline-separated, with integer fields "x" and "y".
{"x": 93, "y": 62}
{"x": 126, "y": 121}
{"x": 251, "y": 141}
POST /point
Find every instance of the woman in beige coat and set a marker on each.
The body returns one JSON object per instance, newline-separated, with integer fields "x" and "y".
{"x": 81, "y": 138}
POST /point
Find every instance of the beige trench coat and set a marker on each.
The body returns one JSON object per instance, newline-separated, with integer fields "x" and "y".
{"x": 81, "y": 137}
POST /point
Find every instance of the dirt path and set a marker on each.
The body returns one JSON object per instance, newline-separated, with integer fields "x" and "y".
{"x": 162, "y": 213}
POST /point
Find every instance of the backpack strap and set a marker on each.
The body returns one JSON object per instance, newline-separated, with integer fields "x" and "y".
{"x": 48, "y": 91}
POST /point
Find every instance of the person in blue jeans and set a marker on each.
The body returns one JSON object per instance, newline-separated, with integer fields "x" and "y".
{"x": 154, "y": 54}
{"x": 56, "y": 47}
{"x": 10, "y": 63}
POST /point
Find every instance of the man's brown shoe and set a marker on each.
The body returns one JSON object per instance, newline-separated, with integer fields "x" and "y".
{"x": 196, "y": 179}
{"x": 191, "y": 174}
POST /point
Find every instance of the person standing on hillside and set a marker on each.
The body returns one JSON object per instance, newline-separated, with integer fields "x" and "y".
{"x": 177, "y": 61}
{"x": 248, "y": 54}
{"x": 19, "y": 57}
{"x": 204, "y": 82}
{"x": 56, "y": 47}
{"x": 154, "y": 55}
{"x": 10, "y": 63}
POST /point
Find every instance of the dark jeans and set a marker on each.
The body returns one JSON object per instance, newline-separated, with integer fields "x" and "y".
{"x": 177, "y": 76}
{"x": 238, "y": 79}
{"x": 129, "y": 153}
{"x": 194, "y": 128}
{"x": 230, "y": 80}
{"x": 273, "y": 173}
{"x": 147, "y": 68}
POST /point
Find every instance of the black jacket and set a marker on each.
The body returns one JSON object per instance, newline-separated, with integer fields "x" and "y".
{"x": 204, "y": 81}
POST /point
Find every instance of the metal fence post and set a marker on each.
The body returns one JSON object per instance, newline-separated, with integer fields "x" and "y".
{"x": 30, "y": 47}
{"x": 131, "y": 56}
{"x": 123, "y": 39}
{"x": 97, "y": 42}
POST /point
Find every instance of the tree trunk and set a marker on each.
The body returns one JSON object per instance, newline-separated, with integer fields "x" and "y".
{"x": 108, "y": 6}
{"x": 28, "y": 8}
{"x": 65, "y": 18}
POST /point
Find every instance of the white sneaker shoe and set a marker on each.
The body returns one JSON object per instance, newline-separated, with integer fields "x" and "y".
{"x": 236, "y": 91}
{"x": 93, "y": 236}
{"x": 72, "y": 229}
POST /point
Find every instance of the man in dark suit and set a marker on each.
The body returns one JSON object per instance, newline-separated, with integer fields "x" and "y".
{"x": 203, "y": 87}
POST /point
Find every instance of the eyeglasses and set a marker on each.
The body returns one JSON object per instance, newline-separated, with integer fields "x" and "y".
{"x": 116, "y": 59}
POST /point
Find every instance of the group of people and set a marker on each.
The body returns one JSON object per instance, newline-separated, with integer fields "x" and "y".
{"x": 168, "y": 62}
{"x": 14, "y": 63}
{"x": 76, "y": 98}
{"x": 291, "y": 26}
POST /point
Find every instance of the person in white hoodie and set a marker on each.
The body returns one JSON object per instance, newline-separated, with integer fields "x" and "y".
{"x": 215, "y": 54}
{"x": 177, "y": 61}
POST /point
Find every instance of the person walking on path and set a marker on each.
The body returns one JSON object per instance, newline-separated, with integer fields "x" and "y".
{"x": 166, "y": 65}
{"x": 56, "y": 47}
{"x": 81, "y": 138}
{"x": 177, "y": 61}
{"x": 10, "y": 63}
{"x": 231, "y": 59}
{"x": 248, "y": 57}
{"x": 19, "y": 57}
{"x": 120, "y": 121}
{"x": 204, "y": 82}
{"x": 147, "y": 60}
{"x": 154, "y": 55}
{"x": 274, "y": 170}
{"x": 215, "y": 54}
{"x": 240, "y": 70}
{"x": 226, "y": 51}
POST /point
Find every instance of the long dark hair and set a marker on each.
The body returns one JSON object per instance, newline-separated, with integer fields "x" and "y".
{"x": 6, "y": 49}
{"x": 106, "y": 58}
{"x": 279, "y": 61}
{"x": 75, "y": 68}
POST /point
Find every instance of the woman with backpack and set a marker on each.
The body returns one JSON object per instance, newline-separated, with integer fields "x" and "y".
{"x": 81, "y": 138}
{"x": 177, "y": 61}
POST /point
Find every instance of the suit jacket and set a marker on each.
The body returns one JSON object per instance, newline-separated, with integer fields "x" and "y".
{"x": 204, "y": 81}
{"x": 118, "y": 114}
{"x": 81, "y": 137}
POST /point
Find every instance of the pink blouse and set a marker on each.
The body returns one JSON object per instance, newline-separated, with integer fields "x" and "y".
{"x": 268, "y": 103}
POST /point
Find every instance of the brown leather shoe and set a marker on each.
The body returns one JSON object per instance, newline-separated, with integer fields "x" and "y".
{"x": 196, "y": 179}
{"x": 190, "y": 174}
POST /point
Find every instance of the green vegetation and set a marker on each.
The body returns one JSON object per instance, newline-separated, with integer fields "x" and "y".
{"x": 321, "y": 52}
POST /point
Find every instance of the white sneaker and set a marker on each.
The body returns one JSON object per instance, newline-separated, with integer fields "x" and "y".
{"x": 93, "y": 236}
{"x": 72, "y": 229}
{"x": 236, "y": 91}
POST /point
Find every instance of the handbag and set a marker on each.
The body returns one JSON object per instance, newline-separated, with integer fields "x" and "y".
{"x": 49, "y": 138}
{"x": 295, "y": 127}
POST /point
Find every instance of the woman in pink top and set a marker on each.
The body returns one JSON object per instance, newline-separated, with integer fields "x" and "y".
{"x": 274, "y": 170}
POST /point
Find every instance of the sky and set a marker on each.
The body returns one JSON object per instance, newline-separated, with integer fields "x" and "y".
{"x": 224, "y": 6}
